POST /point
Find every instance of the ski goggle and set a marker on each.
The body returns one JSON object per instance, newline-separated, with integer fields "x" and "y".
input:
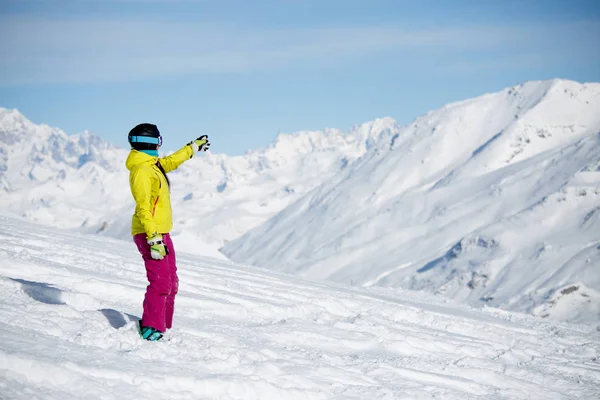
{"x": 146, "y": 139}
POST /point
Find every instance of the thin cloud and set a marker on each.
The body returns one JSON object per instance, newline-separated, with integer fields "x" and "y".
{"x": 45, "y": 50}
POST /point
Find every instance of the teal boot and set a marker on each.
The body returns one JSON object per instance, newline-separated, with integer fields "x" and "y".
{"x": 149, "y": 333}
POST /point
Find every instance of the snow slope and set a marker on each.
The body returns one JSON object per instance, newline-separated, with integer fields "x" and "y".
{"x": 493, "y": 200}
{"x": 80, "y": 181}
{"x": 69, "y": 304}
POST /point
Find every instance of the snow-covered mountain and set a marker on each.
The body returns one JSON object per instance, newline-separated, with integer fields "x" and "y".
{"x": 493, "y": 200}
{"x": 223, "y": 197}
{"x": 34, "y": 154}
{"x": 68, "y": 326}
{"x": 80, "y": 181}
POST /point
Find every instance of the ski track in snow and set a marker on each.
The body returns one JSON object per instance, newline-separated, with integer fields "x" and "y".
{"x": 68, "y": 322}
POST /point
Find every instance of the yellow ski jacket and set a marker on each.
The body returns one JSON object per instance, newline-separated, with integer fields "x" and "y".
{"x": 150, "y": 190}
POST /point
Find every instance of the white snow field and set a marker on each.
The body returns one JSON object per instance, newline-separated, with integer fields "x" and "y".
{"x": 69, "y": 303}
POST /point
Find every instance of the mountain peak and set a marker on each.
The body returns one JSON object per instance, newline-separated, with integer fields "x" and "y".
{"x": 44, "y": 153}
{"x": 472, "y": 169}
{"x": 12, "y": 120}
{"x": 16, "y": 128}
{"x": 6, "y": 113}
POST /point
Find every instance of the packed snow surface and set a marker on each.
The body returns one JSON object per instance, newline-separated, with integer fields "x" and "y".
{"x": 69, "y": 304}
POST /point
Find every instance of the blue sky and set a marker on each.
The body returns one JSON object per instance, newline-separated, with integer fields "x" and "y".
{"x": 242, "y": 71}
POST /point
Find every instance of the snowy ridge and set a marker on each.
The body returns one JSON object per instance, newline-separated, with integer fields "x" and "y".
{"x": 33, "y": 154}
{"x": 68, "y": 332}
{"x": 80, "y": 182}
{"x": 461, "y": 202}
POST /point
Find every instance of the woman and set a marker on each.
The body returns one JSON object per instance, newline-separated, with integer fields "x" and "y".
{"x": 152, "y": 221}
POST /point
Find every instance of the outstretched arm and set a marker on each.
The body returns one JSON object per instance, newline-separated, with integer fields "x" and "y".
{"x": 171, "y": 162}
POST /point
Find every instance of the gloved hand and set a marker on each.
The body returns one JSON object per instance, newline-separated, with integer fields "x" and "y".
{"x": 158, "y": 250}
{"x": 200, "y": 144}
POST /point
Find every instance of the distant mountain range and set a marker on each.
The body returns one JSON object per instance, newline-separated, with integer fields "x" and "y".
{"x": 490, "y": 201}
{"x": 80, "y": 181}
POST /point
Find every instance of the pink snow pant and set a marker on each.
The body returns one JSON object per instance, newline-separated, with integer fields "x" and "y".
{"x": 159, "y": 302}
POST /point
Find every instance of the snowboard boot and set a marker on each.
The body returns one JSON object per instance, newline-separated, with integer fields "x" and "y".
{"x": 149, "y": 333}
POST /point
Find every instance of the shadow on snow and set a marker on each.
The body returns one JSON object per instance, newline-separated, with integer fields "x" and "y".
{"x": 47, "y": 294}
{"x": 41, "y": 292}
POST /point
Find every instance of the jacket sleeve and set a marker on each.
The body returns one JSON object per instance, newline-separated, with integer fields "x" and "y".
{"x": 140, "y": 181}
{"x": 172, "y": 161}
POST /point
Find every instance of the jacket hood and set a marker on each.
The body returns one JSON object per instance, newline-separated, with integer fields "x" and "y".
{"x": 137, "y": 157}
